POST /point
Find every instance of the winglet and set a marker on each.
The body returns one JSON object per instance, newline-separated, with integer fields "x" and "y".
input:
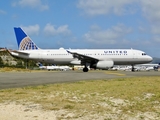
{"x": 23, "y": 40}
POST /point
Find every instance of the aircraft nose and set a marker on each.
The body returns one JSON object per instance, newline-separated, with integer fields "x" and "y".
{"x": 150, "y": 58}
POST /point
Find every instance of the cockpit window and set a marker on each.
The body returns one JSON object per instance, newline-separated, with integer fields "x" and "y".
{"x": 144, "y": 54}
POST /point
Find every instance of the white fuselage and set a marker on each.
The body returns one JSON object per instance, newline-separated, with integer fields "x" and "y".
{"x": 61, "y": 56}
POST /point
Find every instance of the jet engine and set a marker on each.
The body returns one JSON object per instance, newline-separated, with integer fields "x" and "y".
{"x": 106, "y": 64}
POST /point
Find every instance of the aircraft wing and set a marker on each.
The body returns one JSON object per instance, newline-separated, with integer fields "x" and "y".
{"x": 83, "y": 58}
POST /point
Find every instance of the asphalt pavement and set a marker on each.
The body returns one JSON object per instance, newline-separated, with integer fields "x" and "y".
{"x": 21, "y": 79}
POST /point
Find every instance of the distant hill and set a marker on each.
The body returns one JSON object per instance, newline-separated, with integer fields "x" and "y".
{"x": 6, "y": 60}
{"x": 156, "y": 60}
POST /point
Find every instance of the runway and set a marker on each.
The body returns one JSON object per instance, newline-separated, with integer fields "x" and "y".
{"x": 21, "y": 79}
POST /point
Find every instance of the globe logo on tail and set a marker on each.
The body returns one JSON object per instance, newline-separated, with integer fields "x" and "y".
{"x": 27, "y": 44}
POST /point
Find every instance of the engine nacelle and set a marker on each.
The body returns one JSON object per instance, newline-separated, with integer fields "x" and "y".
{"x": 76, "y": 62}
{"x": 105, "y": 64}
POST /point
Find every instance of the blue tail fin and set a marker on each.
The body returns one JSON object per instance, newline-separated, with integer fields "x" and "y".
{"x": 24, "y": 42}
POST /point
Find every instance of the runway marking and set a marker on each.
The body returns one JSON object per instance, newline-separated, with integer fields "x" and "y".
{"x": 115, "y": 73}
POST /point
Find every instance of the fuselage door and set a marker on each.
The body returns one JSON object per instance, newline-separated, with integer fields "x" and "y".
{"x": 134, "y": 54}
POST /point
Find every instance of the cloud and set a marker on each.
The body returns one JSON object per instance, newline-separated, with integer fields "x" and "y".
{"x": 142, "y": 29}
{"x": 31, "y": 30}
{"x": 151, "y": 9}
{"x": 109, "y": 36}
{"x": 102, "y": 7}
{"x": 37, "y": 4}
{"x": 156, "y": 38}
{"x": 155, "y": 29}
{"x": 50, "y": 30}
{"x": 2, "y": 12}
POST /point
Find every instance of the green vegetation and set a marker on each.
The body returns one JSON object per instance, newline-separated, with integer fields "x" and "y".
{"x": 14, "y": 69}
{"x": 122, "y": 96}
{"x": 1, "y": 62}
{"x": 6, "y": 60}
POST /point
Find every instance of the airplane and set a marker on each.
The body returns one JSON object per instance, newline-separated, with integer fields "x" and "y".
{"x": 42, "y": 66}
{"x": 150, "y": 66}
{"x": 54, "y": 67}
{"x": 93, "y": 58}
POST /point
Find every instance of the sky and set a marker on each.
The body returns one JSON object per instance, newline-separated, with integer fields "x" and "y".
{"x": 78, "y": 24}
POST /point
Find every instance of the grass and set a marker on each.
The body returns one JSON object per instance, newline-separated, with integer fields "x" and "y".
{"x": 10, "y": 69}
{"x": 124, "y": 95}
{"x": 13, "y": 69}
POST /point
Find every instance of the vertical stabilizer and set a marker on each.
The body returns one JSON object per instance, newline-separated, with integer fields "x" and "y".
{"x": 23, "y": 40}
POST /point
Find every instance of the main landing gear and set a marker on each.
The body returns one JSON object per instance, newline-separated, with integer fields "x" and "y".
{"x": 85, "y": 69}
{"x": 133, "y": 69}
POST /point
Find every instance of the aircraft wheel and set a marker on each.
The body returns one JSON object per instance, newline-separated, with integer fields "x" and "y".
{"x": 85, "y": 69}
{"x": 133, "y": 70}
